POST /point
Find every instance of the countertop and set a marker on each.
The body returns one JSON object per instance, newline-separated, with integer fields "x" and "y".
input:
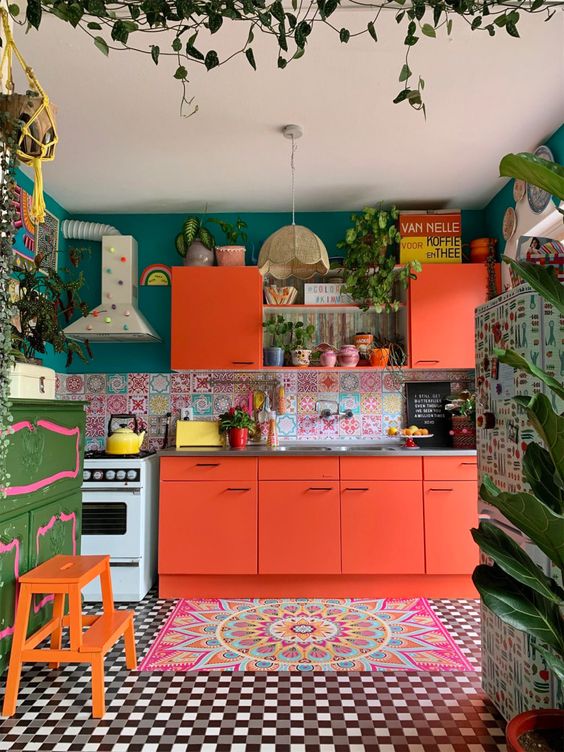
{"x": 307, "y": 450}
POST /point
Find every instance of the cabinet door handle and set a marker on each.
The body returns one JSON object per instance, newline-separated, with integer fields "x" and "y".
{"x": 320, "y": 488}
{"x": 207, "y": 464}
{"x": 427, "y": 361}
{"x": 469, "y": 463}
{"x": 237, "y": 489}
{"x": 355, "y": 489}
{"x": 243, "y": 362}
{"x": 446, "y": 490}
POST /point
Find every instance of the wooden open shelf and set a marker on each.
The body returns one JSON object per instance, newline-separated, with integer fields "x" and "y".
{"x": 329, "y": 307}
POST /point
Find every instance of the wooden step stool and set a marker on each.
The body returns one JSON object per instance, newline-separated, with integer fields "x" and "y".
{"x": 66, "y": 575}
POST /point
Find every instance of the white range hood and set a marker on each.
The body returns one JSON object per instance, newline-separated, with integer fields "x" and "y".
{"x": 117, "y": 318}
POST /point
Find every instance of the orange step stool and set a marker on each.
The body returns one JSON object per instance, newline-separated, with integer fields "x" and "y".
{"x": 66, "y": 576}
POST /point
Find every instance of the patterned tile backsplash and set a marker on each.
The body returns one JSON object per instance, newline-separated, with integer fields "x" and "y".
{"x": 374, "y": 397}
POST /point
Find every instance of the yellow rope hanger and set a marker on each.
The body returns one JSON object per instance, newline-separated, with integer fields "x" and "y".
{"x": 37, "y": 132}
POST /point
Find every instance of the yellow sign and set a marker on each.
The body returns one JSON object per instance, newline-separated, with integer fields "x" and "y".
{"x": 431, "y": 249}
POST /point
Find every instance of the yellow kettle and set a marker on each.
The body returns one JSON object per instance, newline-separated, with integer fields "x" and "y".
{"x": 124, "y": 440}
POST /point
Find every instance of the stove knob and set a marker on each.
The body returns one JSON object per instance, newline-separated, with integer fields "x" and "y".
{"x": 120, "y": 475}
{"x": 86, "y": 475}
{"x": 132, "y": 475}
{"x": 110, "y": 474}
{"x": 98, "y": 475}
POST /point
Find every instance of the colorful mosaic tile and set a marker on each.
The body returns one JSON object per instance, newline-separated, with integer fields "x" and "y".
{"x": 306, "y": 403}
{"x": 370, "y": 402}
{"x": 159, "y": 383}
{"x": 117, "y": 383}
{"x": 348, "y": 382}
{"x": 95, "y": 383}
{"x": 328, "y": 382}
{"x": 221, "y": 403}
{"x": 180, "y": 383}
{"x": 287, "y": 426}
{"x": 74, "y": 384}
{"x": 138, "y": 383}
{"x": 137, "y": 403}
{"x": 202, "y": 404}
{"x": 159, "y": 404}
{"x": 349, "y": 402}
{"x": 116, "y": 403}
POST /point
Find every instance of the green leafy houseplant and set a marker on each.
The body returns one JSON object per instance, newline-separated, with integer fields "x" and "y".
{"x": 235, "y": 232}
{"x": 370, "y": 274}
{"x": 302, "y": 335}
{"x": 514, "y": 588}
{"x": 236, "y": 417}
{"x": 188, "y": 29}
{"x": 463, "y": 404}
{"x": 193, "y": 229}
{"x": 546, "y": 175}
{"x": 277, "y": 327}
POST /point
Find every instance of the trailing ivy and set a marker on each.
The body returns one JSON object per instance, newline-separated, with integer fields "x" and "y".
{"x": 128, "y": 26}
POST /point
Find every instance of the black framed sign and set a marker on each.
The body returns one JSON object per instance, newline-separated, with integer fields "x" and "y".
{"x": 425, "y": 409}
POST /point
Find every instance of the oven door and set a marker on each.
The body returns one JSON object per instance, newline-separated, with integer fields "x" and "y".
{"x": 111, "y": 523}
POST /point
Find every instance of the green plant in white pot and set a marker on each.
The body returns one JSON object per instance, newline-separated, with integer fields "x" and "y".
{"x": 195, "y": 243}
{"x": 233, "y": 253}
{"x": 302, "y": 337}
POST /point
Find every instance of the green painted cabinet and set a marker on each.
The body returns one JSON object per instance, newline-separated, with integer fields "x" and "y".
{"x": 40, "y": 515}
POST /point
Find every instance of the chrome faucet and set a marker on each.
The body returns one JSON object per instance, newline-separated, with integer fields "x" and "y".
{"x": 326, "y": 412}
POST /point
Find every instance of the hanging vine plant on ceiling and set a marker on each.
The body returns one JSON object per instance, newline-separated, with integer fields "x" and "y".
{"x": 139, "y": 25}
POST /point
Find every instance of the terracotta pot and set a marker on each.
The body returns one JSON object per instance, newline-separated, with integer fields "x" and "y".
{"x": 348, "y": 356}
{"x": 533, "y": 720}
{"x": 230, "y": 255}
{"x": 301, "y": 358}
{"x": 463, "y": 432}
{"x": 198, "y": 255}
{"x": 379, "y": 357}
{"x": 238, "y": 437}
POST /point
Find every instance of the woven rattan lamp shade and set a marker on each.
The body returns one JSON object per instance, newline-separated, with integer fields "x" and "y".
{"x": 293, "y": 251}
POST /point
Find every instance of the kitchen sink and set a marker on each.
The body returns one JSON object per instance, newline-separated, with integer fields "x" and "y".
{"x": 318, "y": 449}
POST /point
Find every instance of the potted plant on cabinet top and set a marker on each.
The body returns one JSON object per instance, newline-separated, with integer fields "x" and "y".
{"x": 278, "y": 328}
{"x": 462, "y": 408}
{"x": 236, "y": 423}
{"x": 302, "y": 337}
{"x": 515, "y": 588}
{"x": 370, "y": 274}
{"x": 232, "y": 254}
{"x": 195, "y": 243}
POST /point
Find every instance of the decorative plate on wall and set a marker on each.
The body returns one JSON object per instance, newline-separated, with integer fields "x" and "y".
{"x": 519, "y": 190}
{"x": 539, "y": 199}
{"x": 509, "y": 222}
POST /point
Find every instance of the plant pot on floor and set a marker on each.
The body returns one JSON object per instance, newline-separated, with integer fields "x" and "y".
{"x": 238, "y": 437}
{"x": 230, "y": 255}
{"x": 301, "y": 358}
{"x": 198, "y": 255}
{"x": 274, "y": 356}
{"x": 550, "y": 721}
{"x": 463, "y": 432}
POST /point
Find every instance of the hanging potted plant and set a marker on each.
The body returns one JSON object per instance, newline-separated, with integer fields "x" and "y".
{"x": 195, "y": 243}
{"x": 302, "y": 338}
{"x": 236, "y": 423}
{"x": 277, "y": 327}
{"x": 462, "y": 408}
{"x": 232, "y": 254}
{"x": 370, "y": 261}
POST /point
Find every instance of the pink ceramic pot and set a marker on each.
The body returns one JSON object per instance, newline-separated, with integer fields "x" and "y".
{"x": 328, "y": 358}
{"x": 348, "y": 356}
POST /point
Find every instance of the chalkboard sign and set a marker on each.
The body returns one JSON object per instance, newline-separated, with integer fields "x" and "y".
{"x": 425, "y": 409}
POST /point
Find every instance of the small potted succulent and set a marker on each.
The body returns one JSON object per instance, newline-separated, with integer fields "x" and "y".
{"x": 195, "y": 243}
{"x": 463, "y": 412}
{"x": 236, "y": 423}
{"x": 302, "y": 337}
{"x": 232, "y": 254}
{"x": 278, "y": 328}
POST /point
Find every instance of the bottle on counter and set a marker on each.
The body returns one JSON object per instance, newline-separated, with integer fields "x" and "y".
{"x": 272, "y": 440}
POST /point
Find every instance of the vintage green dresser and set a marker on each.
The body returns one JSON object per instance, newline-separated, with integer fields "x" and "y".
{"x": 41, "y": 514}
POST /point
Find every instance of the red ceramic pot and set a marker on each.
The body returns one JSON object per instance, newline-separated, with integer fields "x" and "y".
{"x": 238, "y": 438}
{"x": 533, "y": 720}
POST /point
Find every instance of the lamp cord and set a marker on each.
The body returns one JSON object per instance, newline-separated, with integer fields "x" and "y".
{"x": 293, "y": 168}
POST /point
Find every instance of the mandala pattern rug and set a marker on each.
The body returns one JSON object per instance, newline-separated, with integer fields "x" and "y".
{"x": 304, "y": 635}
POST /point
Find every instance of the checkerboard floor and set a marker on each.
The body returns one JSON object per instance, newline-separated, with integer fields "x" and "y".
{"x": 274, "y": 712}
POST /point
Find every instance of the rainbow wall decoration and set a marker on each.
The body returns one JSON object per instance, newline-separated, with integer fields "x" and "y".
{"x": 155, "y": 274}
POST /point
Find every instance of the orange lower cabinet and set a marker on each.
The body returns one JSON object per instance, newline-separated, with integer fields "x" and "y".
{"x": 208, "y": 527}
{"x": 382, "y": 527}
{"x": 299, "y": 527}
{"x": 451, "y": 510}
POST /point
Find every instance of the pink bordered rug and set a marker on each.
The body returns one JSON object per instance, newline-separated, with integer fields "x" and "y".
{"x": 304, "y": 635}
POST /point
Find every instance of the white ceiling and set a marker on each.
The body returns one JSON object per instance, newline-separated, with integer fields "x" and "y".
{"x": 124, "y": 148}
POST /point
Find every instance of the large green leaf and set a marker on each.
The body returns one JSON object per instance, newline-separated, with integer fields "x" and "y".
{"x": 539, "y": 472}
{"x": 207, "y": 238}
{"x": 546, "y": 175}
{"x": 190, "y": 229}
{"x": 543, "y": 279}
{"x": 180, "y": 244}
{"x": 550, "y": 427}
{"x": 515, "y": 360}
{"x": 514, "y": 561}
{"x": 519, "y": 606}
{"x": 554, "y": 662}
{"x": 530, "y": 515}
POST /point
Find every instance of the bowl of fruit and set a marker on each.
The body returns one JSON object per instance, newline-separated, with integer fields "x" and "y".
{"x": 411, "y": 434}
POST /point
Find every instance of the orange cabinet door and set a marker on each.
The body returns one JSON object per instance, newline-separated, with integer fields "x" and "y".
{"x": 299, "y": 527}
{"x": 451, "y": 509}
{"x": 216, "y": 319}
{"x": 442, "y": 301}
{"x": 382, "y": 527}
{"x": 208, "y": 527}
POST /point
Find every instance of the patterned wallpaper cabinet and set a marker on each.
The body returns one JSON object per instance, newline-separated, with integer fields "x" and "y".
{"x": 40, "y": 515}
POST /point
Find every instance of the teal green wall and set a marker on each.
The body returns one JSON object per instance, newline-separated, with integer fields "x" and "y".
{"x": 50, "y": 358}
{"x": 155, "y": 235}
{"x": 494, "y": 211}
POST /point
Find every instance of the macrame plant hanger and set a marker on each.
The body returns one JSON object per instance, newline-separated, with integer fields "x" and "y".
{"x": 36, "y": 127}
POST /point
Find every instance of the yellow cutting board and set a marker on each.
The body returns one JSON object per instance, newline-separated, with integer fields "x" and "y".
{"x": 198, "y": 433}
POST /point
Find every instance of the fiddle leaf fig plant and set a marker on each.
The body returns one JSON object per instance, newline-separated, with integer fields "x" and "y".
{"x": 185, "y": 30}
{"x": 370, "y": 261}
{"x": 515, "y": 588}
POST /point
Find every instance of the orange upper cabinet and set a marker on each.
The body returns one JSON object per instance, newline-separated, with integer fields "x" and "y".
{"x": 216, "y": 318}
{"x": 442, "y": 301}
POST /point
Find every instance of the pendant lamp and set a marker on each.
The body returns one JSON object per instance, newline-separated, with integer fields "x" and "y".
{"x": 293, "y": 250}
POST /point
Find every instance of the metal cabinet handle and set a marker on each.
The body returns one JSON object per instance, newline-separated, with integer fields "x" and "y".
{"x": 355, "y": 489}
{"x": 207, "y": 464}
{"x": 243, "y": 362}
{"x": 469, "y": 463}
{"x": 442, "y": 489}
{"x": 237, "y": 489}
{"x": 427, "y": 361}
{"x": 320, "y": 488}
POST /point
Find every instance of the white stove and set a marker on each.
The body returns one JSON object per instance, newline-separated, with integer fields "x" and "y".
{"x": 120, "y": 517}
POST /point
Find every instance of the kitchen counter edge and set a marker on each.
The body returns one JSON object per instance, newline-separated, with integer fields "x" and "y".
{"x": 263, "y": 451}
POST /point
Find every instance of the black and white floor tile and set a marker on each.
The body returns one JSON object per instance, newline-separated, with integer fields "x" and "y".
{"x": 245, "y": 712}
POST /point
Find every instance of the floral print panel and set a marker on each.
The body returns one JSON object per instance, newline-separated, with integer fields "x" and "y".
{"x": 376, "y": 399}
